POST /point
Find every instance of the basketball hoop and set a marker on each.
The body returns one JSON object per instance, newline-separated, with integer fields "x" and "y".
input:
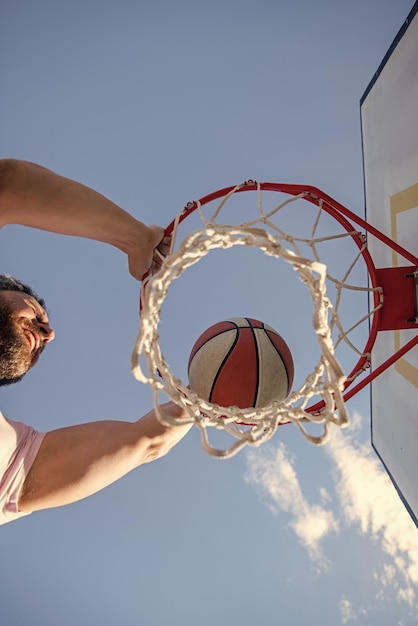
{"x": 322, "y": 396}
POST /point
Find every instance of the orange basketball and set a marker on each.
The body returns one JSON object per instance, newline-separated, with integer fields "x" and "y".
{"x": 241, "y": 362}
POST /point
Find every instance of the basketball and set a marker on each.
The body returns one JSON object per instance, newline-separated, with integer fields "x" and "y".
{"x": 241, "y": 362}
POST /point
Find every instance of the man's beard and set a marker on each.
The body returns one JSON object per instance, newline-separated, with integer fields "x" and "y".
{"x": 16, "y": 358}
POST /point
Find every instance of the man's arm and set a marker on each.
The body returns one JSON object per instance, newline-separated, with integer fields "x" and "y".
{"x": 75, "y": 462}
{"x": 31, "y": 195}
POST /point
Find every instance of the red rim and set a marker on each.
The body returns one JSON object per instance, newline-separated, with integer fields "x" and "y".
{"x": 346, "y": 218}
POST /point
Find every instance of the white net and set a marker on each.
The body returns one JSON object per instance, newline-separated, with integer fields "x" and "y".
{"x": 324, "y": 385}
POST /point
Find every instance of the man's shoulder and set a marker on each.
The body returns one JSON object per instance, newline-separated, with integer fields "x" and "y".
{"x": 3, "y": 419}
{"x": 5, "y": 428}
{"x": 9, "y": 429}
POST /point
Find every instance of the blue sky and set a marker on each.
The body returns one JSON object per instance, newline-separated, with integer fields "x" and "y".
{"x": 154, "y": 105}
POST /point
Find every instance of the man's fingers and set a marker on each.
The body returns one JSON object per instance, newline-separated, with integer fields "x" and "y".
{"x": 164, "y": 245}
{"x": 161, "y": 250}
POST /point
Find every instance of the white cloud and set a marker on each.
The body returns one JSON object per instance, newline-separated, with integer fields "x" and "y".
{"x": 367, "y": 501}
{"x": 277, "y": 477}
{"x": 348, "y": 612}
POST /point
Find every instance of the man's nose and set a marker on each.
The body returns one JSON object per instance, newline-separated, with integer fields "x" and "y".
{"x": 47, "y": 333}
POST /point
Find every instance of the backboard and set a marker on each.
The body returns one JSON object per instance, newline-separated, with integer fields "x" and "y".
{"x": 389, "y": 119}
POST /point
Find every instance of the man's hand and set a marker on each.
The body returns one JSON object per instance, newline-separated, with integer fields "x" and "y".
{"x": 148, "y": 254}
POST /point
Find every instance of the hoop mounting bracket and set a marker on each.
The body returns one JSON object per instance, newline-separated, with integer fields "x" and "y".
{"x": 414, "y": 276}
{"x": 400, "y": 306}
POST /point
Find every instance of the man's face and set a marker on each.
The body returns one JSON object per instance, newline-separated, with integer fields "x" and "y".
{"x": 24, "y": 332}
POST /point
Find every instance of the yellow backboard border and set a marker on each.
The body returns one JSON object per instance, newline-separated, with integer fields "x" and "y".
{"x": 405, "y": 200}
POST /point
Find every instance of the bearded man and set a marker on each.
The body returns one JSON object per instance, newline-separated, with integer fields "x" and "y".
{"x": 44, "y": 470}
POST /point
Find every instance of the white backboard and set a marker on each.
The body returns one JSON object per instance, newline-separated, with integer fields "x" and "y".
{"x": 389, "y": 117}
